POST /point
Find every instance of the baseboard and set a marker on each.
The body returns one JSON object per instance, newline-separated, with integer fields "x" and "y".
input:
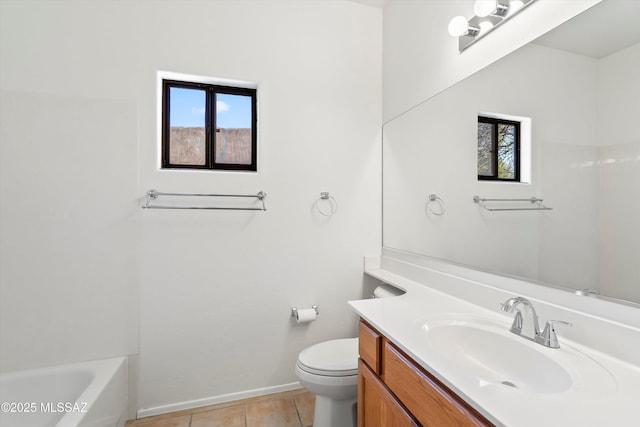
{"x": 191, "y": 404}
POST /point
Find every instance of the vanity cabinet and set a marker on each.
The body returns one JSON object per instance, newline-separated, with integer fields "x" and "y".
{"x": 395, "y": 391}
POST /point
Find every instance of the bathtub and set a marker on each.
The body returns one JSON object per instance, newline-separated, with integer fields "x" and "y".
{"x": 89, "y": 394}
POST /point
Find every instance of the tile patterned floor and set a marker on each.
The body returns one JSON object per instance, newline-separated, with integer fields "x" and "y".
{"x": 288, "y": 409}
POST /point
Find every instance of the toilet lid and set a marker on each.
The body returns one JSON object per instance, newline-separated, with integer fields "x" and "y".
{"x": 331, "y": 358}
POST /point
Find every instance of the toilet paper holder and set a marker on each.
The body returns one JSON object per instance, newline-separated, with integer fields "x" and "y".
{"x": 294, "y": 310}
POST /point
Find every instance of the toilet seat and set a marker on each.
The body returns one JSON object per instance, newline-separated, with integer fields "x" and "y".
{"x": 336, "y": 358}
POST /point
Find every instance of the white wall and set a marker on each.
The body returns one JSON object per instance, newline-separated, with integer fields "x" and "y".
{"x": 619, "y": 173}
{"x": 215, "y": 288}
{"x": 432, "y": 149}
{"x": 421, "y": 58}
{"x": 68, "y": 161}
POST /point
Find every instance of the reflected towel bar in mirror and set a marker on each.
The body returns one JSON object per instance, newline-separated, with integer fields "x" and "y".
{"x": 533, "y": 200}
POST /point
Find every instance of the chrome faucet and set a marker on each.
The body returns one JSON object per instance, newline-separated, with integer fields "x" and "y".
{"x": 529, "y": 328}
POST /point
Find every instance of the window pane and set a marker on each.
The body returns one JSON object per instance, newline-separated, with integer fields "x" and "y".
{"x": 506, "y": 151}
{"x": 486, "y": 165}
{"x": 187, "y": 138}
{"x": 233, "y": 129}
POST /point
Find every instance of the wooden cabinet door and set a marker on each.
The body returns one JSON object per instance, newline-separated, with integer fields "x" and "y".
{"x": 376, "y": 405}
{"x": 370, "y": 346}
{"x": 430, "y": 402}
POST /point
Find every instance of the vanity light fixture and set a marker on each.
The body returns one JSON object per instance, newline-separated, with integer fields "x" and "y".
{"x": 483, "y": 8}
{"x": 514, "y": 6}
{"x": 489, "y": 14}
{"x": 485, "y": 27}
{"x": 460, "y": 27}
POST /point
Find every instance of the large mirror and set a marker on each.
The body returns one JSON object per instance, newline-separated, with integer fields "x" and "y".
{"x": 580, "y": 87}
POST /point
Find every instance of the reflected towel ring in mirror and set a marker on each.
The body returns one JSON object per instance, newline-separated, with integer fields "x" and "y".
{"x": 330, "y": 200}
{"x": 435, "y": 200}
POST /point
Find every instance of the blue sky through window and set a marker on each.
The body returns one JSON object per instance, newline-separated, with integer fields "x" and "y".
{"x": 188, "y": 107}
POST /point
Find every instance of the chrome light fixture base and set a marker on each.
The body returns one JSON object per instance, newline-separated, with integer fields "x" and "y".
{"x": 505, "y": 10}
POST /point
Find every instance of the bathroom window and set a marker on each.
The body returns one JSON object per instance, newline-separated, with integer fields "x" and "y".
{"x": 208, "y": 126}
{"x": 498, "y": 149}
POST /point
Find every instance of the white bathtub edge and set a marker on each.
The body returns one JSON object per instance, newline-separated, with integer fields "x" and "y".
{"x": 111, "y": 406}
{"x": 95, "y": 394}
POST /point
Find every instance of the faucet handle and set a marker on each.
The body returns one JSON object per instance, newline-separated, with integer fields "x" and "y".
{"x": 516, "y": 326}
{"x": 548, "y": 336}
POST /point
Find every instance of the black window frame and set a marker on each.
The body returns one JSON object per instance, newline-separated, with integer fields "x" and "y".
{"x": 210, "y": 123}
{"x": 495, "y": 122}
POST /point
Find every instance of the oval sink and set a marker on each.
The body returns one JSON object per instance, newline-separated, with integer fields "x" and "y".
{"x": 490, "y": 354}
{"x": 499, "y": 359}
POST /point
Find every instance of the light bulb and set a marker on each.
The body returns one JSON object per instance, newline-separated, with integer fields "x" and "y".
{"x": 484, "y": 8}
{"x": 515, "y": 5}
{"x": 458, "y": 26}
{"x": 485, "y": 26}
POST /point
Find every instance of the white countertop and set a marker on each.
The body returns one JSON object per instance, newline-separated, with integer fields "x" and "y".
{"x": 610, "y": 400}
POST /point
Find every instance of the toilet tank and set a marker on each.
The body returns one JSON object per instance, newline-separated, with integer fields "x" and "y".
{"x": 386, "y": 290}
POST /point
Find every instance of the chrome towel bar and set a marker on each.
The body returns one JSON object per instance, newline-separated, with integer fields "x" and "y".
{"x": 153, "y": 195}
{"x": 533, "y": 200}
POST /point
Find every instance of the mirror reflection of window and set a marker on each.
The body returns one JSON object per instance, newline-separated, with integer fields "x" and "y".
{"x": 498, "y": 149}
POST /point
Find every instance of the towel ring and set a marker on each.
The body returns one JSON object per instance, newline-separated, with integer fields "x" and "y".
{"x": 433, "y": 200}
{"x": 331, "y": 201}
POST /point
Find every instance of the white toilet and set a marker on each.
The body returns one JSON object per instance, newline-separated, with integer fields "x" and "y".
{"x": 330, "y": 370}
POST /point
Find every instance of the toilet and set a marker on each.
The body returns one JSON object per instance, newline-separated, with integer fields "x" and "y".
{"x": 330, "y": 371}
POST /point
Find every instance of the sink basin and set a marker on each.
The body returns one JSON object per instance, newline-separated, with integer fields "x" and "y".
{"x": 486, "y": 352}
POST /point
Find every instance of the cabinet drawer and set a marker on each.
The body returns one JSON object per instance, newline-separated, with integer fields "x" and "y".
{"x": 376, "y": 405}
{"x": 370, "y": 346}
{"x": 431, "y": 403}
